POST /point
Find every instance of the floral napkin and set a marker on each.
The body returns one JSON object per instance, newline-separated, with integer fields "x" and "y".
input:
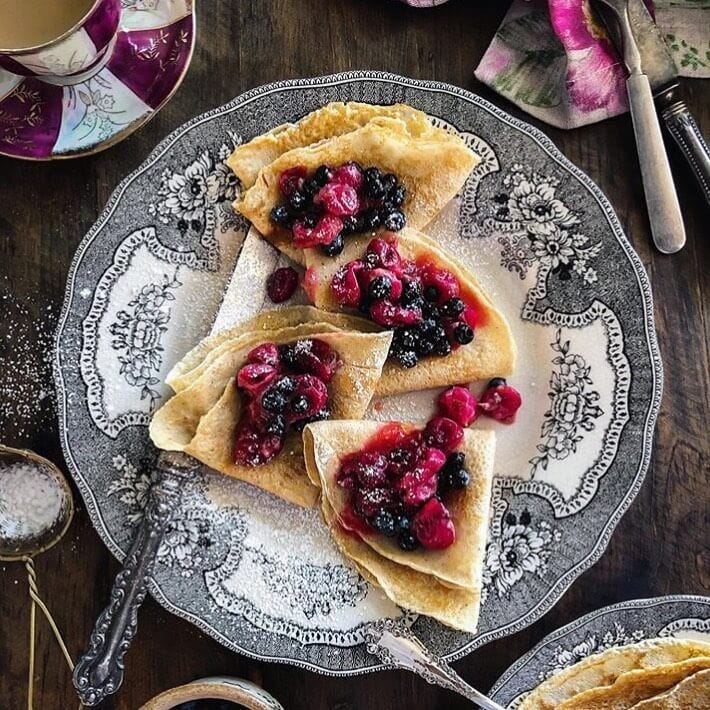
{"x": 554, "y": 61}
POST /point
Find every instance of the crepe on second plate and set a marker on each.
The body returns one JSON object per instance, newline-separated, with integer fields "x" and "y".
{"x": 201, "y": 420}
{"x": 432, "y": 167}
{"x": 333, "y": 119}
{"x": 692, "y": 693}
{"x": 604, "y": 669}
{"x": 444, "y": 584}
{"x": 492, "y": 352}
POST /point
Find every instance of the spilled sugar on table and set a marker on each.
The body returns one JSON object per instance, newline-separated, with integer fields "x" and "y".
{"x": 660, "y": 546}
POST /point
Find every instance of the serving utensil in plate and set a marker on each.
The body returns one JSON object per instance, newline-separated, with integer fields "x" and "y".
{"x": 664, "y": 213}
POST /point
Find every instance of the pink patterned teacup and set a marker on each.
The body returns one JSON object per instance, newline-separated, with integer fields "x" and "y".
{"x": 75, "y": 37}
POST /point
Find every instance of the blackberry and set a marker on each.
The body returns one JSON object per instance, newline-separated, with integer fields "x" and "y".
{"x": 398, "y": 455}
{"x": 427, "y": 326}
{"x": 442, "y": 347}
{"x": 453, "y": 307}
{"x": 455, "y": 461}
{"x": 371, "y": 219}
{"x": 431, "y": 294}
{"x": 406, "y": 358}
{"x": 297, "y": 200}
{"x": 370, "y": 260}
{"x": 463, "y": 333}
{"x": 274, "y": 401}
{"x": 407, "y": 540}
{"x": 395, "y": 221}
{"x": 424, "y": 347}
{"x": 289, "y": 358}
{"x": 373, "y": 183}
{"x": 397, "y": 196}
{"x": 335, "y": 247}
{"x": 284, "y": 386}
{"x": 497, "y": 382}
{"x": 402, "y": 523}
{"x": 384, "y": 523}
{"x": 300, "y": 404}
{"x": 411, "y": 293}
{"x": 438, "y": 334}
{"x": 379, "y": 287}
{"x": 300, "y": 424}
{"x": 280, "y": 215}
{"x": 389, "y": 182}
{"x": 406, "y": 338}
{"x": 431, "y": 311}
{"x": 323, "y": 175}
{"x": 277, "y": 425}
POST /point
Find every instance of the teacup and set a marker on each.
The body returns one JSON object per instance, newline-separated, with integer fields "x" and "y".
{"x": 59, "y": 41}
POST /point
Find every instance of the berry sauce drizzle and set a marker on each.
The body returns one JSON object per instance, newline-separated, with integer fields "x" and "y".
{"x": 322, "y": 208}
{"x": 284, "y": 388}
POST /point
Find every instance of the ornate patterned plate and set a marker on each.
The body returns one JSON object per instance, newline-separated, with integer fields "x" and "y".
{"x": 44, "y": 120}
{"x": 617, "y": 625}
{"x": 262, "y": 576}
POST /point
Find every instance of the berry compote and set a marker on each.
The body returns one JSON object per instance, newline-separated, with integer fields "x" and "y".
{"x": 423, "y": 303}
{"x": 284, "y": 388}
{"x": 321, "y": 208}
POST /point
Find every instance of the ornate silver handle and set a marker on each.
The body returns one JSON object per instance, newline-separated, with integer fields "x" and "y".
{"x": 99, "y": 672}
{"x": 661, "y": 198}
{"x": 681, "y": 125}
{"x": 396, "y": 646}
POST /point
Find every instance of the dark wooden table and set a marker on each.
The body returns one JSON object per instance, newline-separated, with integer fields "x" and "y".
{"x": 660, "y": 546}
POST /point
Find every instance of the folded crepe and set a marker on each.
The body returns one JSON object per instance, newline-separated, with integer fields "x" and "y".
{"x": 197, "y": 360}
{"x": 432, "y": 167}
{"x": 492, "y": 352}
{"x": 444, "y": 584}
{"x": 334, "y": 119}
{"x": 604, "y": 669}
{"x": 692, "y": 693}
{"x": 202, "y": 419}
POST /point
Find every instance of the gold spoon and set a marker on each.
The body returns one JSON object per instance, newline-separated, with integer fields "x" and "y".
{"x": 36, "y": 508}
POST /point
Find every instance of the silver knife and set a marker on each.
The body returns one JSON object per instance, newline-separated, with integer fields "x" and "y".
{"x": 660, "y": 68}
{"x": 661, "y": 199}
{"x": 99, "y": 672}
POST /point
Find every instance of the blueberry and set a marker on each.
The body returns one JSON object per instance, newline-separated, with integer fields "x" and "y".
{"x": 454, "y": 480}
{"x": 402, "y": 523}
{"x": 497, "y": 382}
{"x": 323, "y": 175}
{"x": 289, "y": 357}
{"x": 428, "y": 325}
{"x": 273, "y": 401}
{"x": 463, "y": 333}
{"x": 351, "y": 224}
{"x": 389, "y": 182}
{"x": 335, "y": 247}
{"x": 397, "y": 196}
{"x": 373, "y": 183}
{"x": 310, "y": 219}
{"x": 395, "y": 221}
{"x": 453, "y": 307}
{"x": 300, "y": 404}
{"x": 442, "y": 347}
{"x": 384, "y": 523}
{"x": 310, "y": 187}
{"x": 408, "y": 541}
{"x": 406, "y": 358}
{"x": 379, "y": 287}
{"x": 411, "y": 293}
{"x": 431, "y": 293}
{"x": 297, "y": 200}
{"x": 455, "y": 461}
{"x": 280, "y": 215}
{"x": 277, "y": 425}
{"x": 371, "y": 219}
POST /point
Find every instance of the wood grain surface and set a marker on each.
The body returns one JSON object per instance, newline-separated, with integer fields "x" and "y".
{"x": 660, "y": 546}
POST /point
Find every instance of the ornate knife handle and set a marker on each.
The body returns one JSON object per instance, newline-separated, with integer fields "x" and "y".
{"x": 99, "y": 672}
{"x": 681, "y": 125}
{"x": 396, "y": 646}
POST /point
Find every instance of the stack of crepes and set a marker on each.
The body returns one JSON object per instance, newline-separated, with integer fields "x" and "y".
{"x": 656, "y": 674}
{"x": 431, "y": 164}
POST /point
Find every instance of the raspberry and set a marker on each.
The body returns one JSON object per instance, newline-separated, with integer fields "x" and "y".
{"x": 338, "y": 199}
{"x": 345, "y": 286}
{"x": 446, "y": 284}
{"x": 386, "y": 313}
{"x": 256, "y": 377}
{"x": 501, "y": 402}
{"x": 459, "y": 404}
{"x": 443, "y": 433}
{"x": 282, "y": 284}
{"x": 433, "y": 526}
{"x": 386, "y": 255}
{"x": 291, "y": 180}
{"x": 349, "y": 174}
{"x": 266, "y": 353}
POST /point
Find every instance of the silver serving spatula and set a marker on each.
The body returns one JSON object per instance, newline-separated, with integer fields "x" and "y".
{"x": 661, "y": 199}
{"x": 99, "y": 672}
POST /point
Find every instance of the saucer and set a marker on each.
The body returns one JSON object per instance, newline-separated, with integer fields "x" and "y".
{"x": 48, "y": 119}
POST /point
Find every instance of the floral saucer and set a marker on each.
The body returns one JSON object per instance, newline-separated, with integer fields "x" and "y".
{"x": 680, "y": 616}
{"x": 43, "y": 120}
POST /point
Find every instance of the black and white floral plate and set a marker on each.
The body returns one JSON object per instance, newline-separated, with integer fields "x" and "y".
{"x": 262, "y": 576}
{"x": 680, "y": 616}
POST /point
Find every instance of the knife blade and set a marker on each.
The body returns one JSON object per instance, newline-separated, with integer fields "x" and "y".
{"x": 660, "y": 68}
